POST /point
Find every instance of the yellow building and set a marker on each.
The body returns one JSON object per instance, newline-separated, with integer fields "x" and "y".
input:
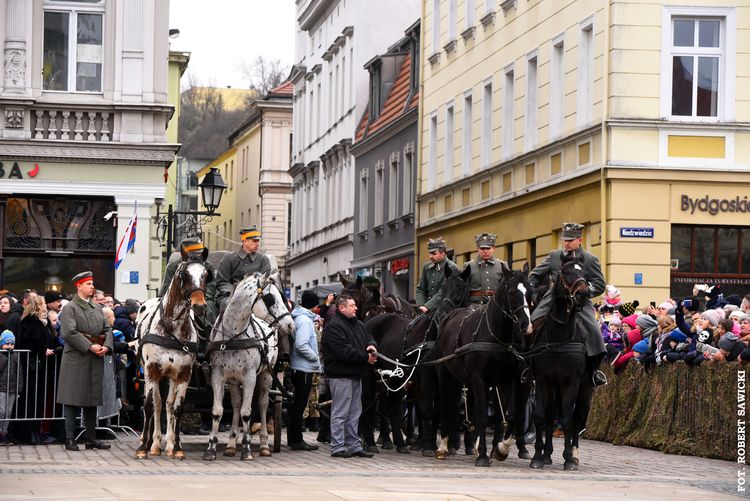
{"x": 538, "y": 112}
{"x": 178, "y": 63}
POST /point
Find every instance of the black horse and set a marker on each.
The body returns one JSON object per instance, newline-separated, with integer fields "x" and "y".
{"x": 487, "y": 341}
{"x": 558, "y": 362}
{"x": 412, "y": 341}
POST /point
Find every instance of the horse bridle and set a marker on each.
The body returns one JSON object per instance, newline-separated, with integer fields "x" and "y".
{"x": 269, "y": 302}
{"x": 181, "y": 274}
{"x": 574, "y": 287}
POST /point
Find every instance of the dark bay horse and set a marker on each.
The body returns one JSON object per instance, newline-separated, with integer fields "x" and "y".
{"x": 558, "y": 362}
{"x": 168, "y": 347}
{"x": 487, "y": 340}
{"x": 412, "y": 341}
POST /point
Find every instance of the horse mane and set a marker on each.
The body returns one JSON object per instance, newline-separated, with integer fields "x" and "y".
{"x": 173, "y": 292}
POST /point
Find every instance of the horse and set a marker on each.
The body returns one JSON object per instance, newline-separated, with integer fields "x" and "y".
{"x": 483, "y": 346}
{"x": 388, "y": 303}
{"x": 168, "y": 337}
{"x": 559, "y": 366}
{"x": 362, "y": 295}
{"x": 238, "y": 353}
{"x": 412, "y": 341}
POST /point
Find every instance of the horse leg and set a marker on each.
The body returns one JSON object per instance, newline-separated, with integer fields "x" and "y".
{"x": 217, "y": 385}
{"x": 171, "y": 396}
{"x": 148, "y": 422}
{"x": 393, "y": 404}
{"x": 427, "y": 410}
{"x": 263, "y": 393}
{"x": 248, "y": 389}
{"x": 384, "y": 418}
{"x": 236, "y": 396}
{"x": 179, "y": 402}
{"x": 519, "y": 417}
{"x": 549, "y": 427}
{"x": 156, "y": 436}
{"x": 580, "y": 415}
{"x": 568, "y": 398}
{"x": 540, "y": 406}
{"x": 449, "y": 401}
{"x": 480, "y": 418}
{"x": 504, "y": 429}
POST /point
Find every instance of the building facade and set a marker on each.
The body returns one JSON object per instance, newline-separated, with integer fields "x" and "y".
{"x": 255, "y": 169}
{"x": 83, "y": 144}
{"x": 334, "y": 40}
{"x": 631, "y": 118}
{"x": 385, "y": 158}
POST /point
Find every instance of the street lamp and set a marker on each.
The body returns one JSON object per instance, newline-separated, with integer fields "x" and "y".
{"x": 212, "y": 188}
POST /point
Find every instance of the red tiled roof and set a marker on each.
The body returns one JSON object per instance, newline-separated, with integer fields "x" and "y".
{"x": 284, "y": 88}
{"x": 397, "y": 103}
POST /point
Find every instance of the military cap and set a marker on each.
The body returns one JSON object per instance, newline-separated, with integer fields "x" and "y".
{"x": 436, "y": 244}
{"x": 192, "y": 244}
{"x": 82, "y": 277}
{"x": 571, "y": 231}
{"x": 485, "y": 239}
{"x": 250, "y": 232}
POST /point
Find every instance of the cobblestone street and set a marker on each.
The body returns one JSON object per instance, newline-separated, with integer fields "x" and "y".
{"x": 48, "y": 472}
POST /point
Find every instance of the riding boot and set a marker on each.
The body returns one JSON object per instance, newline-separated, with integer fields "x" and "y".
{"x": 592, "y": 369}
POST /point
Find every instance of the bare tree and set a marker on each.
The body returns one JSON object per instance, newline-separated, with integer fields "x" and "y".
{"x": 264, "y": 74}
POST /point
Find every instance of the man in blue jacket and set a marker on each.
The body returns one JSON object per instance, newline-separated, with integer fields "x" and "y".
{"x": 303, "y": 362}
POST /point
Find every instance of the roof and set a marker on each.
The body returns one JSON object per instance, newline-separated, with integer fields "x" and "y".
{"x": 399, "y": 101}
{"x": 283, "y": 88}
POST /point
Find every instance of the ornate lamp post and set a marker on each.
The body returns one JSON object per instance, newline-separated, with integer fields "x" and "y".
{"x": 212, "y": 188}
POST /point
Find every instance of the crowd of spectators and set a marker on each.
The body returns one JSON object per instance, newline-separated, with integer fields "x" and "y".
{"x": 707, "y": 327}
{"x": 30, "y": 357}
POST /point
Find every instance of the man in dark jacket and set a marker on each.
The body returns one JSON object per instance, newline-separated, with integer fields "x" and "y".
{"x": 347, "y": 349}
{"x": 16, "y": 310}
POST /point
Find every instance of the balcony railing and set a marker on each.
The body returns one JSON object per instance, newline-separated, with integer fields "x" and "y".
{"x": 71, "y": 125}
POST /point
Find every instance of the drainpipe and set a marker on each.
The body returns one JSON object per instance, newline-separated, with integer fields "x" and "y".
{"x": 605, "y": 140}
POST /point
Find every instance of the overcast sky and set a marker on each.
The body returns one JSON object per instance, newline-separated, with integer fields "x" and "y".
{"x": 221, "y": 34}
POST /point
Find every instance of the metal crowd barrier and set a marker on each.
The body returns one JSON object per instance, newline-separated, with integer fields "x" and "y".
{"x": 36, "y": 387}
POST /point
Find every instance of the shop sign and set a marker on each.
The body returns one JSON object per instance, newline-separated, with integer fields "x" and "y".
{"x": 637, "y": 232}
{"x": 714, "y": 205}
{"x": 712, "y": 280}
{"x": 398, "y": 265}
{"x": 14, "y": 172}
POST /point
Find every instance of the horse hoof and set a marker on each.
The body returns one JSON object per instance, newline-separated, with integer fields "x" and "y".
{"x": 169, "y": 454}
{"x": 576, "y": 461}
{"x": 373, "y": 448}
{"x": 483, "y": 461}
{"x": 246, "y": 456}
{"x": 470, "y": 452}
{"x": 141, "y": 455}
{"x": 452, "y": 451}
{"x": 388, "y": 445}
{"x": 536, "y": 464}
{"x": 180, "y": 455}
{"x": 547, "y": 460}
{"x": 496, "y": 454}
{"x": 428, "y": 453}
{"x": 524, "y": 455}
{"x": 402, "y": 449}
{"x": 570, "y": 466}
{"x": 265, "y": 453}
{"x": 230, "y": 452}
{"x": 155, "y": 452}
{"x": 209, "y": 456}
{"x": 441, "y": 455}
{"x": 415, "y": 447}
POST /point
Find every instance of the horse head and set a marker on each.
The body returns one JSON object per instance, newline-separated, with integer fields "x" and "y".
{"x": 188, "y": 284}
{"x": 361, "y": 295}
{"x": 513, "y": 294}
{"x": 571, "y": 284}
{"x": 455, "y": 289}
{"x": 270, "y": 304}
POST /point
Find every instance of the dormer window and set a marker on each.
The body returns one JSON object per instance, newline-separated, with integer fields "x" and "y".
{"x": 375, "y": 86}
{"x": 414, "y": 52}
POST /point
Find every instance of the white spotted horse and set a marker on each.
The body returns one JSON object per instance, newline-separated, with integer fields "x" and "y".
{"x": 238, "y": 352}
{"x": 168, "y": 339}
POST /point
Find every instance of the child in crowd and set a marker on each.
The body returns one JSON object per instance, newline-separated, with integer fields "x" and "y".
{"x": 11, "y": 382}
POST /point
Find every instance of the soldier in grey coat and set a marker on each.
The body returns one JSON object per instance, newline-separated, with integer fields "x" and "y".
{"x": 486, "y": 271}
{"x": 429, "y": 294}
{"x": 88, "y": 338}
{"x": 546, "y": 274}
{"x": 235, "y": 267}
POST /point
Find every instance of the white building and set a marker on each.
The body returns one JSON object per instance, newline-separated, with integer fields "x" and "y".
{"x": 83, "y": 118}
{"x": 335, "y": 38}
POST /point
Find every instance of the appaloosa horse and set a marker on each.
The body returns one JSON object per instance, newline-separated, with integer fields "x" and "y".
{"x": 168, "y": 346}
{"x": 484, "y": 344}
{"x": 558, "y": 362}
{"x": 240, "y": 349}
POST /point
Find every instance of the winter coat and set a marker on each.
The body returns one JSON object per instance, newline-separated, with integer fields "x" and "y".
{"x": 345, "y": 341}
{"x": 81, "y": 371}
{"x": 124, "y": 324}
{"x": 11, "y": 379}
{"x": 14, "y": 318}
{"x": 304, "y": 354}
{"x": 33, "y": 335}
{"x": 633, "y": 337}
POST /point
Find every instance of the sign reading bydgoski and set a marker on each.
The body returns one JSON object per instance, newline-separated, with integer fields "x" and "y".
{"x": 627, "y": 232}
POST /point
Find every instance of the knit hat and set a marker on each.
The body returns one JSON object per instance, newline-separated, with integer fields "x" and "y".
{"x": 727, "y": 342}
{"x": 645, "y": 322}
{"x": 737, "y": 315}
{"x": 630, "y": 321}
{"x": 130, "y": 306}
{"x": 666, "y": 306}
{"x": 52, "y": 296}
{"x": 309, "y": 299}
{"x": 7, "y": 337}
{"x": 613, "y": 296}
{"x": 641, "y": 346}
{"x": 615, "y": 320}
{"x": 677, "y": 336}
{"x": 734, "y": 299}
{"x": 713, "y": 317}
{"x": 627, "y": 309}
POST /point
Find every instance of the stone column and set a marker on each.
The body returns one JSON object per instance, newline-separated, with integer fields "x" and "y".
{"x": 14, "y": 58}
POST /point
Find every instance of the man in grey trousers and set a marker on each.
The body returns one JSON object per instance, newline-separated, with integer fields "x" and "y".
{"x": 347, "y": 350}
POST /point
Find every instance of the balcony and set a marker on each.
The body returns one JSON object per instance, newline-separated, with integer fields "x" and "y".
{"x": 71, "y": 125}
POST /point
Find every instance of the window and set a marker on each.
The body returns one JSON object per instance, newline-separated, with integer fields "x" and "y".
{"x": 374, "y": 91}
{"x": 448, "y": 203}
{"x": 531, "y": 105}
{"x": 431, "y": 209}
{"x": 414, "y": 76}
{"x": 710, "y": 250}
{"x": 363, "y": 200}
{"x": 585, "y": 71}
{"x": 508, "y": 115}
{"x": 696, "y": 57}
{"x": 485, "y": 190}
{"x": 487, "y": 125}
{"x": 466, "y": 197}
{"x": 378, "y": 218}
{"x": 407, "y": 198}
{"x": 341, "y": 103}
{"x": 318, "y": 114}
{"x": 449, "y": 131}
{"x": 470, "y": 13}
{"x": 451, "y": 20}
{"x": 435, "y": 26}
{"x": 73, "y": 38}
{"x": 432, "y": 166}
{"x": 557, "y": 85}
{"x": 393, "y": 188}
{"x": 530, "y": 171}
{"x": 466, "y": 146}
{"x": 584, "y": 154}
{"x": 507, "y": 182}
{"x": 555, "y": 164}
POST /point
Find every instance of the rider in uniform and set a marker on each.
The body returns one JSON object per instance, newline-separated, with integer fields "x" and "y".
{"x": 547, "y": 272}
{"x": 486, "y": 271}
{"x": 429, "y": 294}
